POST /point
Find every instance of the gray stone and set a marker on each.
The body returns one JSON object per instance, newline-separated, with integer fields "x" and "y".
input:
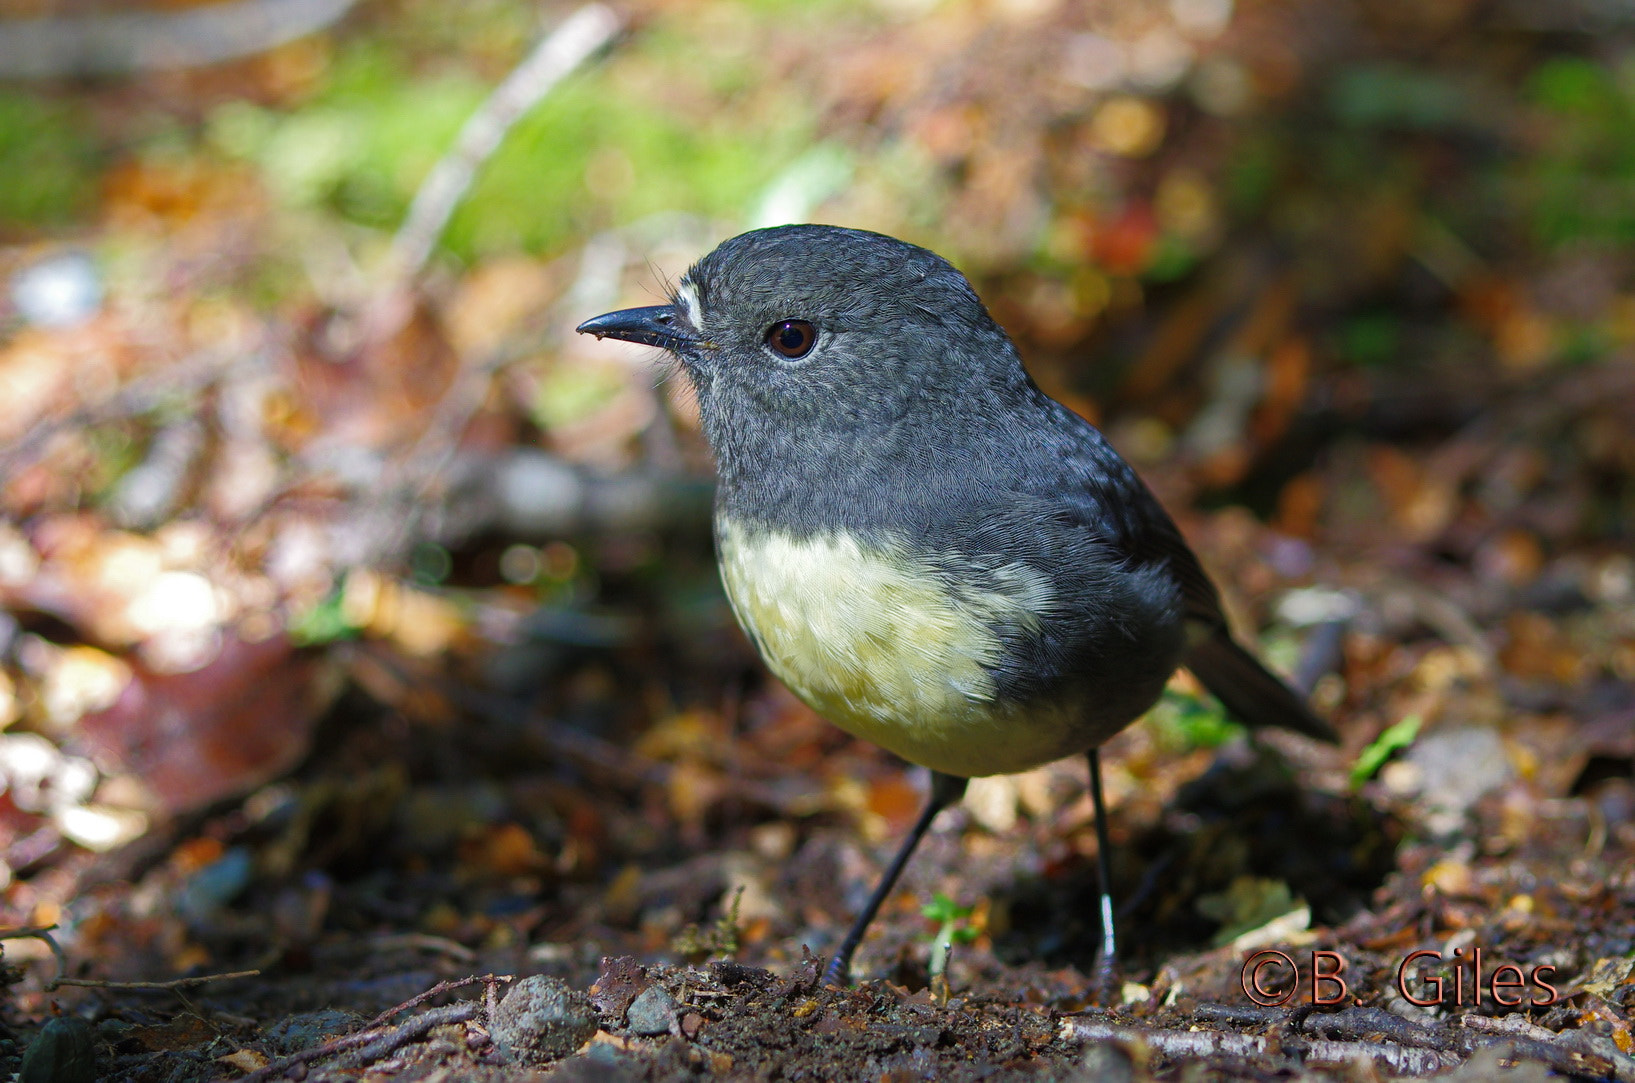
{"x": 541, "y": 1019}
{"x": 653, "y": 1012}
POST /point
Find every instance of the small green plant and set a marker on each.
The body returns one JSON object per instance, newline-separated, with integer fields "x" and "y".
{"x": 721, "y": 939}
{"x": 953, "y": 927}
{"x": 1186, "y": 722}
{"x": 1395, "y": 738}
{"x": 325, "y": 622}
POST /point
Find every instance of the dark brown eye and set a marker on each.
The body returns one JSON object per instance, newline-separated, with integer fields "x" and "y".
{"x": 791, "y": 338}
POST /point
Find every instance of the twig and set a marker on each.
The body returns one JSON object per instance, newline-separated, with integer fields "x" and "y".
{"x": 442, "y": 945}
{"x": 371, "y": 1042}
{"x": 42, "y": 932}
{"x": 171, "y": 985}
{"x": 1204, "y": 1043}
{"x": 115, "y": 43}
{"x": 573, "y": 41}
{"x": 578, "y": 36}
{"x": 414, "y": 1028}
{"x": 1571, "y": 1052}
{"x": 184, "y": 379}
{"x": 437, "y": 990}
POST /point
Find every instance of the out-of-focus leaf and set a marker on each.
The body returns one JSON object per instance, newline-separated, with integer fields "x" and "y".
{"x": 222, "y": 729}
{"x": 50, "y": 159}
{"x": 1395, "y": 738}
{"x": 1249, "y": 903}
{"x": 1394, "y": 95}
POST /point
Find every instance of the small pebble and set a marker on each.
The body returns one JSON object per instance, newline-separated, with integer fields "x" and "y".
{"x": 690, "y": 1024}
{"x": 652, "y": 1013}
{"x": 64, "y": 1051}
{"x": 542, "y": 1018}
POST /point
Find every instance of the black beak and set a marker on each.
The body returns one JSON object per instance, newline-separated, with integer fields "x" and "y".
{"x": 659, "y": 325}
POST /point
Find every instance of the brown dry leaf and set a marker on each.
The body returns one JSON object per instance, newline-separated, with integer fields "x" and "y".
{"x": 245, "y": 1060}
{"x": 193, "y": 854}
{"x": 1526, "y": 339}
{"x": 184, "y": 1032}
{"x": 1421, "y": 504}
{"x": 692, "y": 734}
{"x": 372, "y": 380}
{"x": 219, "y": 730}
{"x": 503, "y": 850}
{"x": 1514, "y": 557}
{"x": 1123, "y": 244}
{"x": 695, "y": 788}
{"x": 420, "y": 623}
{"x": 1287, "y": 376}
{"x": 1537, "y": 649}
{"x": 494, "y": 300}
{"x": 895, "y": 798}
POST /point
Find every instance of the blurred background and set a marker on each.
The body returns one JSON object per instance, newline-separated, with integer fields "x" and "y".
{"x": 347, "y": 595}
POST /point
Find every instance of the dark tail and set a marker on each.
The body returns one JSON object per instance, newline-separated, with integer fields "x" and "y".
{"x": 1250, "y": 692}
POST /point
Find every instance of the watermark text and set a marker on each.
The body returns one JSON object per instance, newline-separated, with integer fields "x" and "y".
{"x": 1272, "y": 978}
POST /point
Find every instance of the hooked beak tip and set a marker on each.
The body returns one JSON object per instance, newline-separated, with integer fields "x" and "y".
{"x": 656, "y": 325}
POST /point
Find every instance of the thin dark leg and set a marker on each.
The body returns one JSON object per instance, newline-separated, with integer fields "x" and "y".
{"x": 945, "y": 790}
{"x": 1107, "y": 958}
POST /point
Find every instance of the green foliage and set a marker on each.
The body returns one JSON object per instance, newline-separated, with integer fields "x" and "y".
{"x": 1373, "y": 338}
{"x": 1186, "y": 722}
{"x": 602, "y": 149}
{"x": 719, "y": 940}
{"x": 1397, "y": 96}
{"x": 1171, "y": 260}
{"x": 1248, "y": 904}
{"x": 1396, "y": 737}
{"x": 588, "y": 159}
{"x": 1579, "y": 179}
{"x": 360, "y": 148}
{"x": 47, "y": 158}
{"x": 324, "y": 623}
{"x": 952, "y": 928}
{"x": 112, "y": 452}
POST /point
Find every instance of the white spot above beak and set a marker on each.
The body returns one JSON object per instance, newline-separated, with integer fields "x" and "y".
{"x": 687, "y": 297}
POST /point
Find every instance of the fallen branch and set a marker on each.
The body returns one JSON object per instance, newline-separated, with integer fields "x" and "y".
{"x": 377, "y": 1039}
{"x": 111, "y": 43}
{"x": 1564, "y": 1051}
{"x": 1195, "y": 1044}
{"x": 1375, "y": 1035}
{"x": 372, "y": 1042}
{"x": 172, "y": 985}
{"x": 575, "y": 40}
{"x": 42, "y": 932}
{"x": 438, "y": 990}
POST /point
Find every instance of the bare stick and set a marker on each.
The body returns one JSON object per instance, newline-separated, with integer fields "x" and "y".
{"x": 568, "y": 46}
{"x": 372, "y": 1042}
{"x": 437, "y": 990}
{"x": 1191, "y": 1044}
{"x": 171, "y": 985}
{"x": 115, "y": 42}
{"x": 42, "y": 932}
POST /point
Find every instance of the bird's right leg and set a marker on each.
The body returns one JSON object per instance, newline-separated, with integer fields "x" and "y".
{"x": 945, "y": 790}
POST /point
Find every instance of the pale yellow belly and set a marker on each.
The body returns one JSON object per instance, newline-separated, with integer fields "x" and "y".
{"x": 875, "y": 642}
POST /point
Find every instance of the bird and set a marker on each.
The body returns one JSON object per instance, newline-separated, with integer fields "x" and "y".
{"x": 926, "y": 548}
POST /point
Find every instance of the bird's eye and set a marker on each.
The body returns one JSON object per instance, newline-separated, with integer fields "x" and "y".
{"x": 791, "y": 338}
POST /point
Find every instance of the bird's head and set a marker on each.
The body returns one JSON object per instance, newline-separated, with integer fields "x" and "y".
{"x": 824, "y": 334}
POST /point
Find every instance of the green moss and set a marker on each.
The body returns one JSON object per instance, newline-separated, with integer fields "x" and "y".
{"x": 48, "y": 160}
